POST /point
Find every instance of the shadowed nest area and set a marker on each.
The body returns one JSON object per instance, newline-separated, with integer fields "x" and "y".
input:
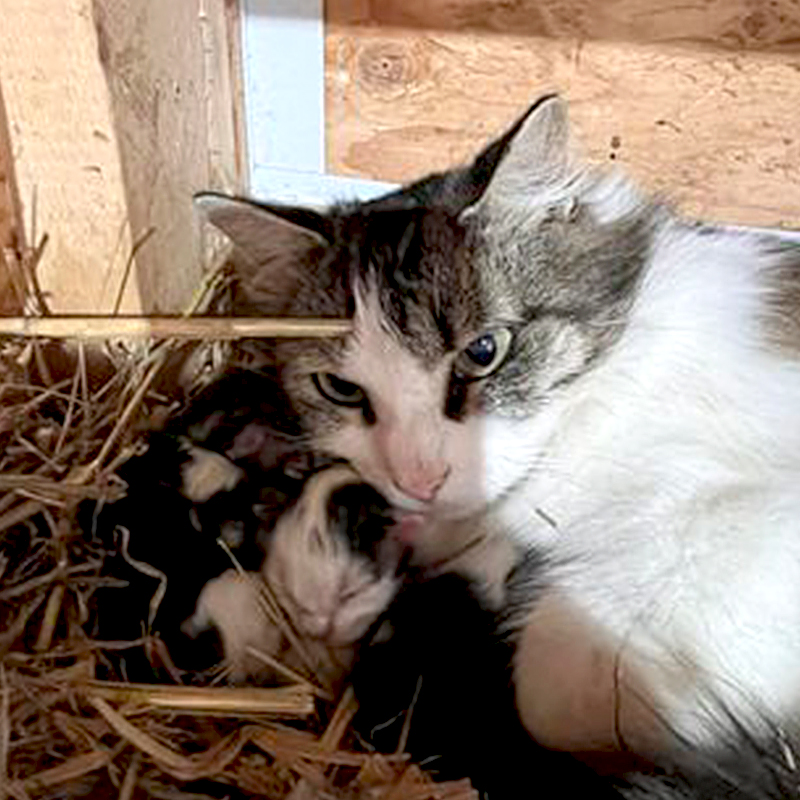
{"x": 106, "y": 541}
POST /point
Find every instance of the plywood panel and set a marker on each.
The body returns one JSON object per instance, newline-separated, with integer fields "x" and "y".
{"x": 65, "y": 152}
{"x": 715, "y": 130}
{"x": 731, "y": 24}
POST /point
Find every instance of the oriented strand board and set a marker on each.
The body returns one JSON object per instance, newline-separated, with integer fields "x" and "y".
{"x": 714, "y": 129}
{"x": 118, "y": 111}
{"x": 710, "y": 24}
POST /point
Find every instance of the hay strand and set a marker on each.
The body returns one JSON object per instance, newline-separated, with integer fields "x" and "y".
{"x": 168, "y": 758}
{"x": 216, "y": 328}
{"x": 282, "y": 701}
{"x": 5, "y": 730}
{"x": 131, "y": 777}
{"x": 75, "y": 767}
{"x": 51, "y": 613}
{"x": 63, "y": 731}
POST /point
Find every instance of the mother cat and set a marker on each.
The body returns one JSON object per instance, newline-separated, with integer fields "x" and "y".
{"x": 541, "y": 351}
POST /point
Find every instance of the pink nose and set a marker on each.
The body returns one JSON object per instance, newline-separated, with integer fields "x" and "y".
{"x": 422, "y": 487}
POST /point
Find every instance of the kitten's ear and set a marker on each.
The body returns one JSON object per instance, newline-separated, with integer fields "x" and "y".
{"x": 271, "y": 246}
{"x": 535, "y": 151}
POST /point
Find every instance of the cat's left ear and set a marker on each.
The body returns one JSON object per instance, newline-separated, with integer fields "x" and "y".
{"x": 533, "y": 153}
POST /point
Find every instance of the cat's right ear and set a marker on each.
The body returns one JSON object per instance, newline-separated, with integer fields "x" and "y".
{"x": 258, "y": 229}
{"x": 271, "y": 243}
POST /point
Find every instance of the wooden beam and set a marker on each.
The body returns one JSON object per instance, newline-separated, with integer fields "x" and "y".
{"x": 12, "y": 238}
{"x": 172, "y": 89}
{"x": 222, "y": 328}
{"x": 732, "y": 25}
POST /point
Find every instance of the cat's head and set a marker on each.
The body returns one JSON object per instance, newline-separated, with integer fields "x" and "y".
{"x": 478, "y": 296}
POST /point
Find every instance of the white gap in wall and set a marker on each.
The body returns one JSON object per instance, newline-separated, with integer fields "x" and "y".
{"x": 284, "y": 77}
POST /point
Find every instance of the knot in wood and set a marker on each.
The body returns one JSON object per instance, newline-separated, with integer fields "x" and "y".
{"x": 385, "y": 66}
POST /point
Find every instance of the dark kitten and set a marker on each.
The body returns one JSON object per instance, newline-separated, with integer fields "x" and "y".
{"x": 440, "y": 659}
{"x": 181, "y": 499}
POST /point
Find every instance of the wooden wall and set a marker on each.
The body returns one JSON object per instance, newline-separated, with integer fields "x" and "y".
{"x": 118, "y": 111}
{"x": 700, "y": 101}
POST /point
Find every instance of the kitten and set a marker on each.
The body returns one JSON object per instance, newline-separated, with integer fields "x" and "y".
{"x": 539, "y": 349}
{"x": 332, "y": 570}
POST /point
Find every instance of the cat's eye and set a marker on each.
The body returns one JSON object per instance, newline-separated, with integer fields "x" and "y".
{"x": 482, "y": 356}
{"x": 338, "y": 390}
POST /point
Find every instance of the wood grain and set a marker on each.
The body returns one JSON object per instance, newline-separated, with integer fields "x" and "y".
{"x": 65, "y": 153}
{"x": 714, "y": 130}
{"x": 708, "y": 24}
{"x": 11, "y": 230}
{"x": 213, "y": 328}
{"x": 171, "y": 86}
{"x": 119, "y": 110}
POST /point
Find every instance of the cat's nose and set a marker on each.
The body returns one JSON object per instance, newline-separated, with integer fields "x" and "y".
{"x": 423, "y": 486}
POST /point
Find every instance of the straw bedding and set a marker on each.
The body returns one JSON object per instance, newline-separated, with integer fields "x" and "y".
{"x": 70, "y": 415}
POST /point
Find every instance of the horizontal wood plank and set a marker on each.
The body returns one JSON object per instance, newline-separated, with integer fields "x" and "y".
{"x": 223, "y": 328}
{"x": 710, "y": 24}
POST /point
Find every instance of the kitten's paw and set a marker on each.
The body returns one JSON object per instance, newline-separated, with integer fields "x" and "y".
{"x": 233, "y": 605}
{"x": 206, "y": 473}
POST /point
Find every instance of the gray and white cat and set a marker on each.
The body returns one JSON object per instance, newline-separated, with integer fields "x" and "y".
{"x": 541, "y": 352}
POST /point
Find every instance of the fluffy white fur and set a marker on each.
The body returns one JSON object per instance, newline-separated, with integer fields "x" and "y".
{"x": 671, "y": 475}
{"x": 664, "y": 482}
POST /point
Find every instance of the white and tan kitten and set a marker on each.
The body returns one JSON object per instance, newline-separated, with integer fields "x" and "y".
{"x": 331, "y": 587}
{"x": 540, "y": 348}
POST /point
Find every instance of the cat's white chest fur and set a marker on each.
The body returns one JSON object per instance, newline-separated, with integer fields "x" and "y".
{"x": 666, "y": 488}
